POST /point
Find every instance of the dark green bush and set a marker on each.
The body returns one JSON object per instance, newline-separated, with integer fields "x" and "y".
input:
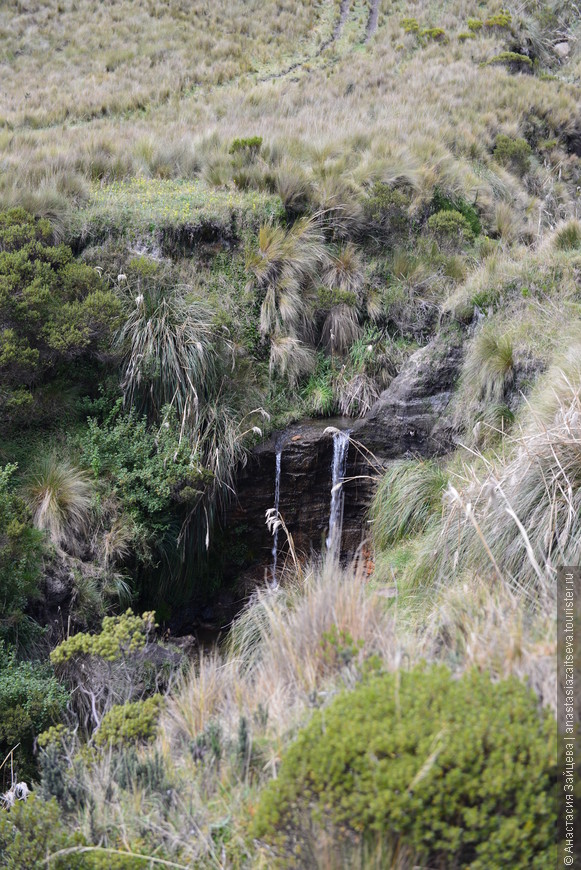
{"x": 134, "y": 722}
{"x": 152, "y": 474}
{"x": 20, "y": 556}
{"x": 52, "y": 309}
{"x": 441, "y": 202}
{"x": 386, "y": 207}
{"x": 31, "y": 699}
{"x": 515, "y": 61}
{"x": 462, "y": 772}
{"x": 513, "y": 153}
{"x": 251, "y": 144}
{"x": 31, "y": 831}
{"x": 451, "y": 229}
{"x": 34, "y": 830}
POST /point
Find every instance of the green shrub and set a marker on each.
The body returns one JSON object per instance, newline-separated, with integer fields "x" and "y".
{"x": 410, "y": 25}
{"x": 134, "y": 722}
{"x": 120, "y": 636}
{"x": 515, "y": 60}
{"x": 386, "y": 207}
{"x": 31, "y": 699}
{"x": 52, "y": 309}
{"x": 461, "y": 771}
{"x": 20, "y": 556}
{"x": 18, "y": 228}
{"x": 154, "y": 476}
{"x": 252, "y": 144}
{"x": 327, "y": 297}
{"x": 441, "y": 202}
{"x": 436, "y": 33}
{"x": 474, "y": 24}
{"x": 500, "y": 19}
{"x": 31, "y": 831}
{"x": 451, "y": 228}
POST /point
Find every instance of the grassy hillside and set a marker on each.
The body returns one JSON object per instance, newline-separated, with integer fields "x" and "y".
{"x": 216, "y": 219}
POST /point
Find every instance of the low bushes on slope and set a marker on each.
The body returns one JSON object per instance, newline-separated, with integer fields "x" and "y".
{"x": 462, "y": 772}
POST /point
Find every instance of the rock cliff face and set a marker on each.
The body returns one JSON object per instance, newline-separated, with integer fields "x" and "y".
{"x": 305, "y": 491}
{"x": 408, "y": 416}
{"x": 407, "y": 419}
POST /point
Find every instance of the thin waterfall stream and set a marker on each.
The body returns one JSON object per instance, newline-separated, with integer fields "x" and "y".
{"x": 276, "y": 504}
{"x": 338, "y": 469}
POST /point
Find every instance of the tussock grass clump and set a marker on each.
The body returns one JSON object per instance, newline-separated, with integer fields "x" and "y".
{"x": 59, "y": 495}
{"x": 408, "y": 496}
{"x": 356, "y": 395}
{"x": 167, "y": 342}
{"x": 568, "y": 237}
{"x": 490, "y": 627}
{"x": 489, "y": 365}
{"x": 290, "y": 358}
{"x": 523, "y": 514}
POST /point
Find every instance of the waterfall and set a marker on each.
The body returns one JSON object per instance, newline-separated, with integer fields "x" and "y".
{"x": 276, "y": 503}
{"x": 338, "y": 468}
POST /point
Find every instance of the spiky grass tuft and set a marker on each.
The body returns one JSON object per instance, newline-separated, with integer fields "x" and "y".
{"x": 167, "y": 345}
{"x": 568, "y": 236}
{"x": 489, "y": 365}
{"x": 59, "y": 495}
{"x": 408, "y": 496}
{"x": 290, "y": 358}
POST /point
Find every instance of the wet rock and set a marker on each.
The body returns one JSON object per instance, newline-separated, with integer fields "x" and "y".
{"x": 305, "y": 492}
{"x": 408, "y": 416}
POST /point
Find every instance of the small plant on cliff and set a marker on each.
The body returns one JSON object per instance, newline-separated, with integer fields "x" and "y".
{"x": 489, "y": 365}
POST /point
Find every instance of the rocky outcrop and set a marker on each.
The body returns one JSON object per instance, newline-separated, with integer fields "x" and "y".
{"x": 408, "y": 416}
{"x": 305, "y": 492}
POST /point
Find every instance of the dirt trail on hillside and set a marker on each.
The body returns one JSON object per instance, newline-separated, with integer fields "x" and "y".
{"x": 343, "y": 12}
{"x": 372, "y": 20}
